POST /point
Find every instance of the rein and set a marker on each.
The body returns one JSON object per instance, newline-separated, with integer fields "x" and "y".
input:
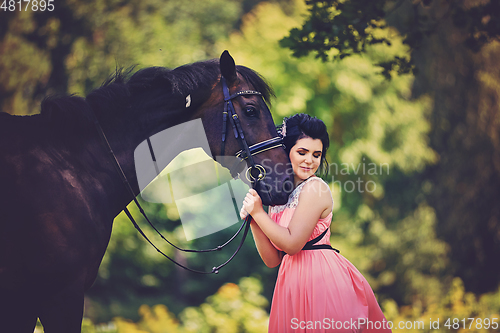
{"x": 245, "y": 153}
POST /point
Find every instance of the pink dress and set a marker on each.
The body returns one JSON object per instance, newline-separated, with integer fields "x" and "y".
{"x": 319, "y": 290}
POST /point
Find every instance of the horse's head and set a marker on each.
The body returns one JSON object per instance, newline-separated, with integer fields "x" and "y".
{"x": 240, "y": 128}
{"x": 231, "y": 101}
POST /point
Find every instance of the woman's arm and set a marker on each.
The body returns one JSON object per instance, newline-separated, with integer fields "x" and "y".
{"x": 269, "y": 254}
{"x": 315, "y": 201}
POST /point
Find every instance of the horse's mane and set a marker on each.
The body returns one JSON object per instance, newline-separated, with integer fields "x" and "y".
{"x": 147, "y": 89}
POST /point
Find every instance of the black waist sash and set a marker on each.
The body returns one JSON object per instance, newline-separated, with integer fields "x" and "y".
{"x": 311, "y": 245}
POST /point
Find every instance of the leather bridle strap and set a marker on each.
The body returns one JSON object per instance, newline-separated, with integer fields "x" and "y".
{"x": 234, "y": 119}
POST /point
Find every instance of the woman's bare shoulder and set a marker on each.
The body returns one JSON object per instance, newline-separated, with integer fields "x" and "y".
{"x": 316, "y": 190}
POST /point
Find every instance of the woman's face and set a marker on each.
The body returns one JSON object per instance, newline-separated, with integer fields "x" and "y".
{"x": 306, "y": 158}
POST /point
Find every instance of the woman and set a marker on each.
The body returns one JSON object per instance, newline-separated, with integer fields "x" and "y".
{"x": 317, "y": 289}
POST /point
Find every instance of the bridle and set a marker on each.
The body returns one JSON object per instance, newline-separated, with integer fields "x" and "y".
{"x": 246, "y": 153}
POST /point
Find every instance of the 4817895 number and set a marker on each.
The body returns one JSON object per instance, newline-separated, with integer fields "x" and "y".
{"x": 25, "y": 5}
{"x": 472, "y": 323}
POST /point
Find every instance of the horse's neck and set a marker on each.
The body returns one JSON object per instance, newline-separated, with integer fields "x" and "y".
{"x": 123, "y": 140}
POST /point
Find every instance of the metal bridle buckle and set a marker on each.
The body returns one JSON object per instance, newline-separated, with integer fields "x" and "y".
{"x": 262, "y": 173}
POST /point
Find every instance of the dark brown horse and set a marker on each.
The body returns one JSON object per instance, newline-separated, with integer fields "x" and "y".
{"x": 59, "y": 190}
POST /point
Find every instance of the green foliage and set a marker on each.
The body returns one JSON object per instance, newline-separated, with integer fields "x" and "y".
{"x": 464, "y": 186}
{"x": 337, "y": 29}
{"x": 149, "y": 33}
{"x": 406, "y": 261}
{"x": 341, "y": 28}
{"x": 479, "y": 21}
{"x": 234, "y": 308}
{"x": 17, "y": 69}
{"x": 339, "y": 25}
{"x": 456, "y": 311}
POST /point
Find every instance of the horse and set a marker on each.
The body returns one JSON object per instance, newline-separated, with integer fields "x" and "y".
{"x": 60, "y": 191}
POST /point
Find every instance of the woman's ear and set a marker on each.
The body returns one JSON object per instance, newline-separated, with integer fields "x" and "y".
{"x": 227, "y": 66}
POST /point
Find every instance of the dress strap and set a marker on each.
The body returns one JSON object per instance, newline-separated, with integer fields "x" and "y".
{"x": 311, "y": 245}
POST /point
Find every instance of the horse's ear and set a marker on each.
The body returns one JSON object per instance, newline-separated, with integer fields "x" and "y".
{"x": 227, "y": 66}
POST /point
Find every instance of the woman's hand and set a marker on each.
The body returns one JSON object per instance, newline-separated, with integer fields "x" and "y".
{"x": 243, "y": 213}
{"x": 252, "y": 204}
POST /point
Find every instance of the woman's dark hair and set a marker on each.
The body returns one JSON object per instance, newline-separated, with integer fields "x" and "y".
{"x": 303, "y": 125}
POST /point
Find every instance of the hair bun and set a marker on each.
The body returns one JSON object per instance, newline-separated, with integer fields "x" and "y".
{"x": 303, "y": 125}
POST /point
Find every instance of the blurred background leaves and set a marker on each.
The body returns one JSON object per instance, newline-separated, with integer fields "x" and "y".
{"x": 414, "y": 157}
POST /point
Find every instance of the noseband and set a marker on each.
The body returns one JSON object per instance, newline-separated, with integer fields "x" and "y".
{"x": 256, "y": 172}
{"x": 245, "y": 153}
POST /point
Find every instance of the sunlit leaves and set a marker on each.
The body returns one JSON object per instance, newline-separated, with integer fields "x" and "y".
{"x": 234, "y": 308}
{"x": 346, "y": 26}
{"x": 337, "y": 29}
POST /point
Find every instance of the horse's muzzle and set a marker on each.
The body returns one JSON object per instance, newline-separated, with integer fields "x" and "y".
{"x": 275, "y": 191}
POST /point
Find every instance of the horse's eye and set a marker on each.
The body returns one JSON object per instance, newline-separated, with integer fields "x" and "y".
{"x": 251, "y": 111}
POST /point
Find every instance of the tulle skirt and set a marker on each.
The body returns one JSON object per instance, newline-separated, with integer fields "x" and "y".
{"x": 321, "y": 291}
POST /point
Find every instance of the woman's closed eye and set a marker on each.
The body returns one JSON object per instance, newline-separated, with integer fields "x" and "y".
{"x": 316, "y": 155}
